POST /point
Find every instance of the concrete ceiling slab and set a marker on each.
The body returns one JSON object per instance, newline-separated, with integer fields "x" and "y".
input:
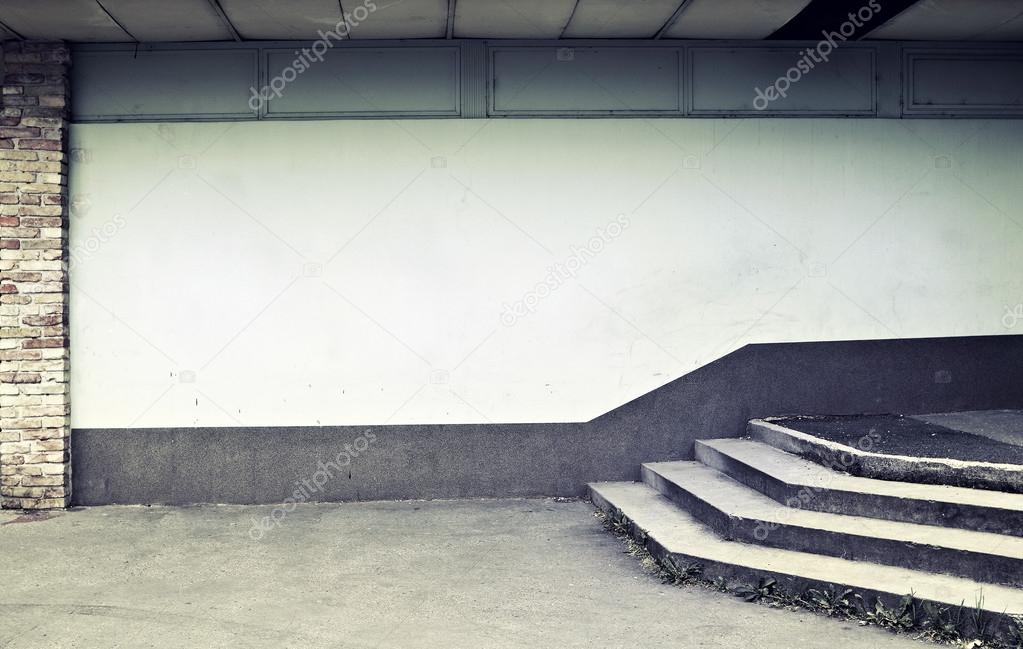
{"x": 159, "y": 20}
{"x": 953, "y": 20}
{"x": 276, "y": 20}
{"x": 620, "y": 18}
{"x": 401, "y": 19}
{"x": 512, "y": 18}
{"x": 734, "y": 18}
{"x": 1010, "y": 30}
{"x": 73, "y": 20}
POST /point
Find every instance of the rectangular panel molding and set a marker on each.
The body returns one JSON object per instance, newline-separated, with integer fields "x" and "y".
{"x": 523, "y": 79}
{"x": 768, "y": 81}
{"x": 967, "y": 82}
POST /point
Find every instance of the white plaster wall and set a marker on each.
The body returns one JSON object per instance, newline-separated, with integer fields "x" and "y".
{"x": 355, "y": 272}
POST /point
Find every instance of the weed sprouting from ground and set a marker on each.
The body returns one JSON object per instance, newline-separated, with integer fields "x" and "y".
{"x": 834, "y": 603}
{"x": 678, "y": 572}
{"x": 763, "y": 590}
{"x": 904, "y": 616}
{"x": 1015, "y": 638}
{"x": 924, "y": 620}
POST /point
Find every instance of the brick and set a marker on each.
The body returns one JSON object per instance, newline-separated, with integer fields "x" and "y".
{"x": 19, "y": 131}
{"x": 39, "y": 145}
{"x": 44, "y": 503}
{"x": 42, "y": 320}
{"x": 44, "y": 433}
{"x": 42, "y": 210}
{"x": 19, "y": 233}
{"x": 41, "y": 481}
{"x": 48, "y": 457}
{"x": 15, "y": 447}
{"x": 20, "y": 377}
{"x": 40, "y": 343}
{"x": 18, "y": 100}
{"x": 20, "y": 332}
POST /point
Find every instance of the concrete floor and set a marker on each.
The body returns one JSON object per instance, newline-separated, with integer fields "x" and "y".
{"x": 480, "y": 574}
{"x": 1000, "y": 425}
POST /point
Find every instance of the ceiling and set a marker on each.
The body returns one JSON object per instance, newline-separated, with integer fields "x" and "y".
{"x": 229, "y": 20}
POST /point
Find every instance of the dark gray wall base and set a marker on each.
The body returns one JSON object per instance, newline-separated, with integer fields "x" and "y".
{"x": 267, "y": 465}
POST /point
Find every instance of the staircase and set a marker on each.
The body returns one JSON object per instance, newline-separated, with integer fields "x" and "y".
{"x": 752, "y": 509}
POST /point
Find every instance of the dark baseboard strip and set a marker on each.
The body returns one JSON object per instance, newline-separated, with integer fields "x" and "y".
{"x": 345, "y": 463}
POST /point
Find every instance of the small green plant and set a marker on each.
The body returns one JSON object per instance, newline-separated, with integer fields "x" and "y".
{"x": 904, "y": 616}
{"x": 618, "y": 522}
{"x": 943, "y": 623}
{"x": 834, "y": 603}
{"x": 765, "y": 589}
{"x": 676, "y": 572}
{"x": 1014, "y": 640}
{"x": 981, "y": 621}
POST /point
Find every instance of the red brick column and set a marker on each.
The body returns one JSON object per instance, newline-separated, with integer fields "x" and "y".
{"x": 35, "y": 470}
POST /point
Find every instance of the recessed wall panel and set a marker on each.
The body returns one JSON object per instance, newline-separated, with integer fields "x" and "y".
{"x": 780, "y": 81}
{"x": 539, "y": 80}
{"x": 114, "y": 85}
{"x": 964, "y": 82}
{"x": 365, "y": 81}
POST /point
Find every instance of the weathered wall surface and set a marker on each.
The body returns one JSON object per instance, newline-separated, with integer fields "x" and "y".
{"x": 512, "y": 271}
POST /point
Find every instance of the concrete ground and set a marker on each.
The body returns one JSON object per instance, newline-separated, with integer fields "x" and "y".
{"x": 480, "y": 574}
{"x": 1001, "y": 425}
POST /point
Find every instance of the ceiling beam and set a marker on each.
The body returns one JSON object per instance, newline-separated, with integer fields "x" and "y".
{"x": 344, "y": 19}
{"x": 450, "y": 30}
{"x": 7, "y": 28}
{"x": 116, "y": 21}
{"x": 215, "y": 5}
{"x": 682, "y": 6}
{"x": 823, "y": 16}
{"x": 568, "y": 22}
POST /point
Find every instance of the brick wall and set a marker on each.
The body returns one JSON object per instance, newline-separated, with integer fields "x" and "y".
{"x": 35, "y": 427}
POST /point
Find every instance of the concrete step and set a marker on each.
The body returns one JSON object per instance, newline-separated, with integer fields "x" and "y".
{"x": 740, "y": 513}
{"x": 958, "y": 473}
{"x": 668, "y": 531}
{"x": 800, "y": 483}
